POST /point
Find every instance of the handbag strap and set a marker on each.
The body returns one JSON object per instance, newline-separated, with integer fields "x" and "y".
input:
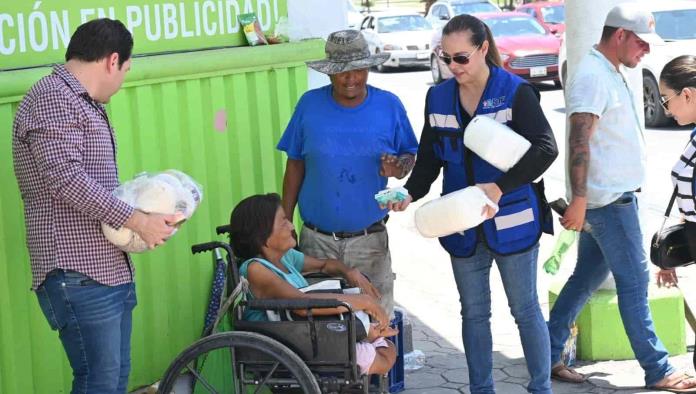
{"x": 671, "y": 202}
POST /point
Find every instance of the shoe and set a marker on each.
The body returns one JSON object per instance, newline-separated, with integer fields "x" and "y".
{"x": 677, "y": 382}
{"x": 564, "y": 374}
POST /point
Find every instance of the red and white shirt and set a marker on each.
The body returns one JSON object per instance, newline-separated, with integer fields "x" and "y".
{"x": 64, "y": 153}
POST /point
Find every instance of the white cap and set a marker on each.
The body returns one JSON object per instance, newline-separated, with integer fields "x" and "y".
{"x": 630, "y": 16}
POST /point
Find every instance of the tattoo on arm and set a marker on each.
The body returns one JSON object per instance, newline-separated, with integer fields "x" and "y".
{"x": 582, "y": 125}
{"x": 406, "y": 161}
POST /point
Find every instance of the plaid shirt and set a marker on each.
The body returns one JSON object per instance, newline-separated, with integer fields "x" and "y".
{"x": 64, "y": 154}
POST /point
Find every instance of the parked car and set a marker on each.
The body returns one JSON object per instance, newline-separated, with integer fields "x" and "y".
{"x": 405, "y": 35}
{"x": 526, "y": 47}
{"x": 442, "y": 11}
{"x": 674, "y": 22}
{"x": 551, "y": 14}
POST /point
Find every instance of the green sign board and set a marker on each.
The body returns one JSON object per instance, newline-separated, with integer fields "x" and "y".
{"x": 34, "y": 33}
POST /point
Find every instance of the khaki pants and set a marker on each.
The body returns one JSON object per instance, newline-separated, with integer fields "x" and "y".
{"x": 368, "y": 253}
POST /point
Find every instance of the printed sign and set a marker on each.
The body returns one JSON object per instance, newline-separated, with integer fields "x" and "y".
{"x": 36, "y": 33}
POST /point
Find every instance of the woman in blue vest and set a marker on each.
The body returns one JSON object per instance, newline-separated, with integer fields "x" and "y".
{"x": 510, "y": 237}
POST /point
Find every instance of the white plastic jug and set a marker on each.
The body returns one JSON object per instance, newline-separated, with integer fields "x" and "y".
{"x": 494, "y": 142}
{"x": 452, "y": 213}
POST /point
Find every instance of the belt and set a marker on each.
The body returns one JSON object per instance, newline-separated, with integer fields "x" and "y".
{"x": 376, "y": 227}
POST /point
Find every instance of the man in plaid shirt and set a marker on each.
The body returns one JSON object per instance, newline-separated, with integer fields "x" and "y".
{"x": 64, "y": 154}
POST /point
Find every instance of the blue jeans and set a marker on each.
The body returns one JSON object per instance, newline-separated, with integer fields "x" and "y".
{"x": 614, "y": 243}
{"x": 518, "y": 272}
{"x": 94, "y": 325}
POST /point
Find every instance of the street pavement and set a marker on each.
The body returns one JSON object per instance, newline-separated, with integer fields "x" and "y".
{"x": 425, "y": 287}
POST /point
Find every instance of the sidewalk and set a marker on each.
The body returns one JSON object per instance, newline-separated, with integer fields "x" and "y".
{"x": 425, "y": 288}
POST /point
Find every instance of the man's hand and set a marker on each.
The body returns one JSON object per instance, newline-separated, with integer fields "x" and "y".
{"x": 667, "y": 278}
{"x": 391, "y": 166}
{"x": 355, "y": 278}
{"x": 493, "y": 193}
{"x": 398, "y": 206}
{"x": 153, "y": 228}
{"x": 574, "y": 216}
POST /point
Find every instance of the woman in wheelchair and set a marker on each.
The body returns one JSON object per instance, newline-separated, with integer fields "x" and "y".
{"x": 263, "y": 238}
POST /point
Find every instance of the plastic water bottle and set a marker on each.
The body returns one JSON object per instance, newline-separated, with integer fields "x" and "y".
{"x": 414, "y": 360}
{"x": 565, "y": 240}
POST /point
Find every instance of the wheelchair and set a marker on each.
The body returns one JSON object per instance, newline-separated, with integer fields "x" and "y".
{"x": 312, "y": 356}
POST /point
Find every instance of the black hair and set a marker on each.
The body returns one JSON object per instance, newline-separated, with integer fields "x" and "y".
{"x": 480, "y": 32}
{"x": 607, "y": 32}
{"x": 98, "y": 39}
{"x": 251, "y": 224}
{"x": 680, "y": 73}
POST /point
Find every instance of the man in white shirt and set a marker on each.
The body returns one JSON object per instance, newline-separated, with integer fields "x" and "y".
{"x": 606, "y": 165}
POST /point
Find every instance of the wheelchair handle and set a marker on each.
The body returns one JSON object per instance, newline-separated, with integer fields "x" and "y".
{"x": 205, "y": 247}
{"x": 296, "y": 304}
{"x": 224, "y": 229}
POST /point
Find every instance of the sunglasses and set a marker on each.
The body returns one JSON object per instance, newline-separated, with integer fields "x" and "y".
{"x": 664, "y": 100}
{"x": 458, "y": 58}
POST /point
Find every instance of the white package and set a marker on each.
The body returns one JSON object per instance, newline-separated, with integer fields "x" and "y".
{"x": 494, "y": 142}
{"x": 168, "y": 192}
{"x": 452, "y": 213}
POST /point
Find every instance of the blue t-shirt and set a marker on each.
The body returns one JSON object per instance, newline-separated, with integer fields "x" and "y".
{"x": 293, "y": 261}
{"x": 341, "y": 148}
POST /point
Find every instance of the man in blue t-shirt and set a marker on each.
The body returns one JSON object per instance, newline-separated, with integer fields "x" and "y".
{"x": 343, "y": 142}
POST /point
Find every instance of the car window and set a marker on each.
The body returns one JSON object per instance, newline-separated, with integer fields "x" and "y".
{"x": 393, "y": 24}
{"x": 441, "y": 11}
{"x": 515, "y": 26}
{"x": 676, "y": 24}
{"x": 472, "y": 8}
{"x": 554, "y": 14}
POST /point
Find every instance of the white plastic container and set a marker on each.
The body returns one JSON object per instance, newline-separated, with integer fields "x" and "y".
{"x": 494, "y": 142}
{"x": 452, "y": 213}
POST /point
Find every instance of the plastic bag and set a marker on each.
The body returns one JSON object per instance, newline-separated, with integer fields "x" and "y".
{"x": 167, "y": 192}
{"x": 414, "y": 360}
{"x": 495, "y": 142}
{"x": 252, "y": 29}
{"x": 281, "y": 32}
{"x": 565, "y": 240}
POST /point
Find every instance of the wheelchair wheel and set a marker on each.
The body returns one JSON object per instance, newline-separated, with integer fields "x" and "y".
{"x": 238, "y": 362}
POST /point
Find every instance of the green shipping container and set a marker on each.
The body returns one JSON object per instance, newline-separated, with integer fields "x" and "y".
{"x": 216, "y": 115}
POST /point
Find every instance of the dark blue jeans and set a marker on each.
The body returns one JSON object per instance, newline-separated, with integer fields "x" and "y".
{"x": 614, "y": 243}
{"x": 518, "y": 273}
{"x": 94, "y": 324}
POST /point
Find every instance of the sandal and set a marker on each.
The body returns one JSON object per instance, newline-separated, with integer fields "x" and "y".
{"x": 677, "y": 382}
{"x": 564, "y": 374}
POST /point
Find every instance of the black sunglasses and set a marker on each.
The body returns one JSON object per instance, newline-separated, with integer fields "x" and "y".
{"x": 457, "y": 58}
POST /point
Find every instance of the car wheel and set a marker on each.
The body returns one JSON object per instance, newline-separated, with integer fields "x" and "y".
{"x": 435, "y": 70}
{"x": 654, "y": 113}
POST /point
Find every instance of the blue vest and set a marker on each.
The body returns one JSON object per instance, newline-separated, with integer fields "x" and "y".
{"x": 517, "y": 225}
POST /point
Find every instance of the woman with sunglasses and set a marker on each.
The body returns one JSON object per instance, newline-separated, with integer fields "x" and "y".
{"x": 678, "y": 96}
{"x": 482, "y": 87}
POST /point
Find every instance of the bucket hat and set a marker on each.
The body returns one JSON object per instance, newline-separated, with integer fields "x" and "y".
{"x": 347, "y": 50}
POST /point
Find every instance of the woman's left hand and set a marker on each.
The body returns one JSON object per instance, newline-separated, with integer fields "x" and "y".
{"x": 356, "y": 279}
{"x": 493, "y": 193}
{"x": 667, "y": 278}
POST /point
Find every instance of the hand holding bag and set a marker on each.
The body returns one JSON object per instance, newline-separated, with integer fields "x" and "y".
{"x": 669, "y": 248}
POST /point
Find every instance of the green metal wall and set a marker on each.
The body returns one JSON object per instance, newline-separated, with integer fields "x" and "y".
{"x": 164, "y": 118}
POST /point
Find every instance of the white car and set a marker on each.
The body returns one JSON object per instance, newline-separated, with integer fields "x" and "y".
{"x": 354, "y": 16}
{"x": 674, "y": 22}
{"x": 442, "y": 11}
{"x": 405, "y": 35}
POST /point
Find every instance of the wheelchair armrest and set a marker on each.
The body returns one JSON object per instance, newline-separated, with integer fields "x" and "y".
{"x": 296, "y": 304}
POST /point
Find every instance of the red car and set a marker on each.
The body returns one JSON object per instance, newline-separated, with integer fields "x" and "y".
{"x": 526, "y": 48}
{"x": 551, "y": 14}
